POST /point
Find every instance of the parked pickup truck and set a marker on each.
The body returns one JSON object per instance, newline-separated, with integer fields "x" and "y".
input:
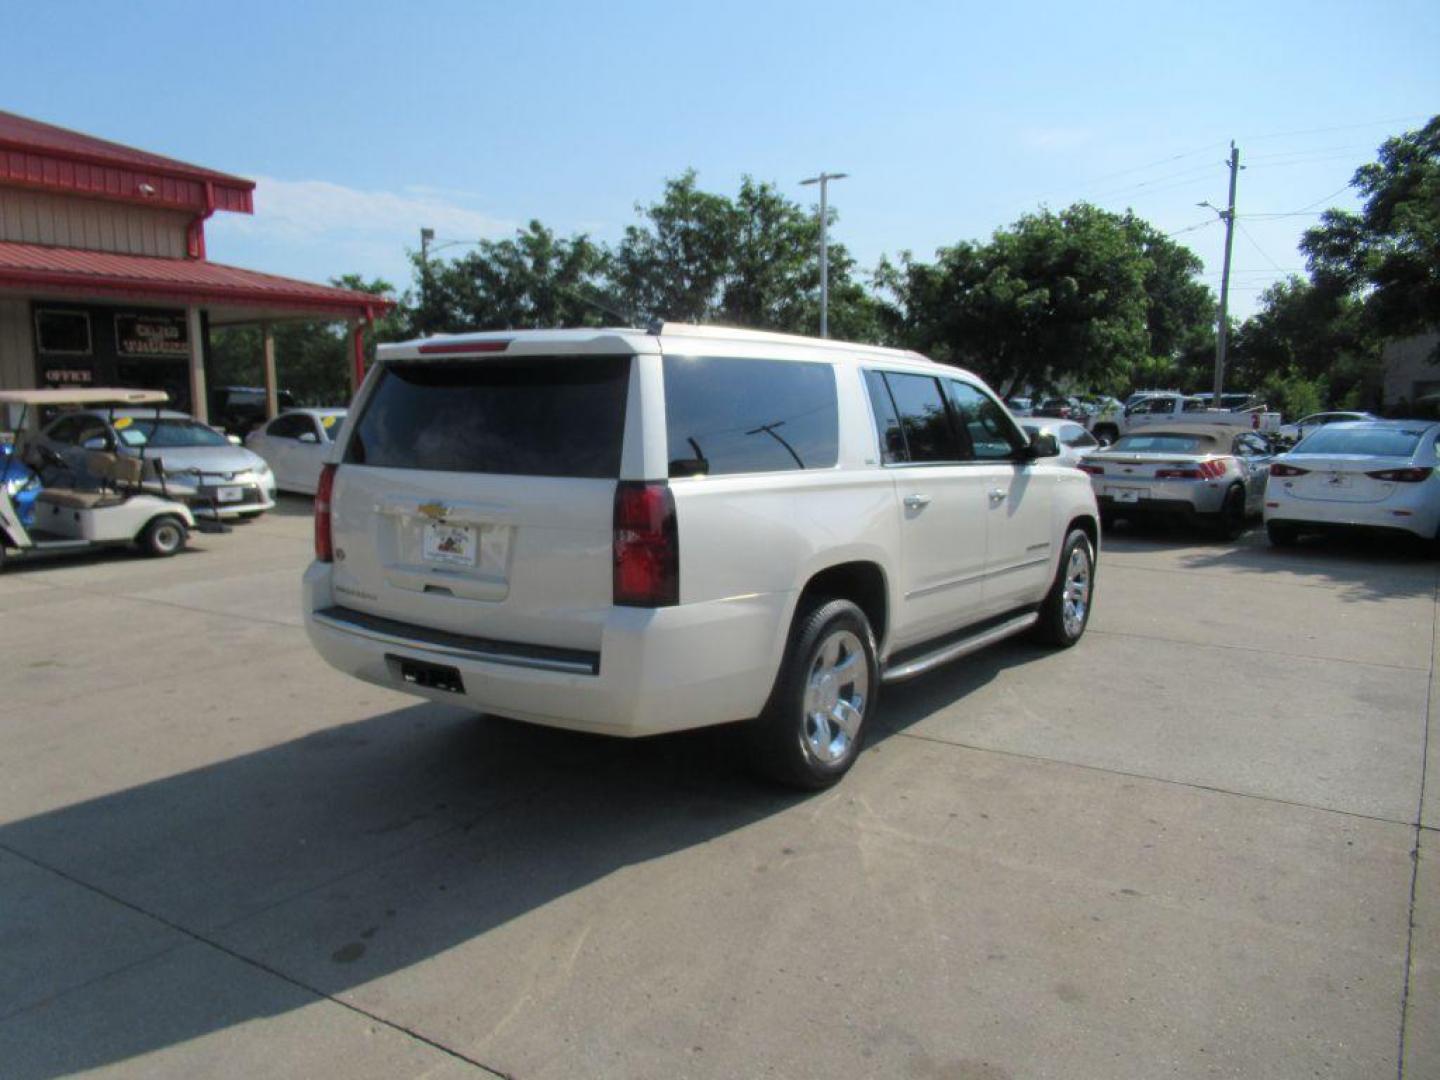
{"x": 1170, "y": 408}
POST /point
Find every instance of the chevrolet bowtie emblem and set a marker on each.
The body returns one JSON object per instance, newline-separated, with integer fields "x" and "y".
{"x": 435, "y": 511}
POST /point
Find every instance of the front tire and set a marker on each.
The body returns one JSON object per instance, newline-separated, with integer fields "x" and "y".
{"x": 1065, "y": 612}
{"x": 1282, "y": 535}
{"x": 813, "y": 727}
{"x": 163, "y": 537}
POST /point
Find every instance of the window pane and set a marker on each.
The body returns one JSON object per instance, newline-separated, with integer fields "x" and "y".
{"x": 923, "y": 417}
{"x": 63, "y": 332}
{"x": 1376, "y": 440}
{"x": 727, "y": 415}
{"x": 540, "y": 416}
{"x": 892, "y": 438}
{"x": 991, "y": 435}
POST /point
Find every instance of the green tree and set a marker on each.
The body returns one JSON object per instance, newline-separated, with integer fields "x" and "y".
{"x": 1390, "y": 250}
{"x": 1308, "y": 334}
{"x": 1054, "y": 297}
{"x": 532, "y": 280}
{"x": 750, "y": 261}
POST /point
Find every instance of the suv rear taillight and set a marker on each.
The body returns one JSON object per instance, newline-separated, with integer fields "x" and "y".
{"x": 1401, "y": 476}
{"x": 1279, "y": 468}
{"x": 324, "y": 541}
{"x": 1093, "y": 470}
{"x": 647, "y": 546}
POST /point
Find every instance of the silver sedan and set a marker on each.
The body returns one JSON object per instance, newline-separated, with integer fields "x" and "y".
{"x": 1201, "y": 473}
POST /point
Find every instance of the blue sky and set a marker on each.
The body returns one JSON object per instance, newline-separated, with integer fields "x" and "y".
{"x": 364, "y": 121}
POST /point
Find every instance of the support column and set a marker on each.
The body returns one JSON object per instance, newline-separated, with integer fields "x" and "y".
{"x": 272, "y": 390}
{"x": 199, "y": 399}
{"x": 357, "y": 343}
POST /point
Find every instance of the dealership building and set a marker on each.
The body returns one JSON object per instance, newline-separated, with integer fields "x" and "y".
{"x": 104, "y": 279}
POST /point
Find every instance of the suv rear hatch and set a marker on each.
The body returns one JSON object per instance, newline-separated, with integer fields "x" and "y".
{"x": 476, "y": 497}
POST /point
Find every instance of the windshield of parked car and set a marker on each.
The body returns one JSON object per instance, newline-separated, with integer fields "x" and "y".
{"x": 166, "y": 432}
{"x": 1371, "y": 441}
{"x": 1163, "y": 443}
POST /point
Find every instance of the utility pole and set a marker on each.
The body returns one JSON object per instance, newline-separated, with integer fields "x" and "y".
{"x": 824, "y": 180}
{"x": 1223, "y": 330}
{"x": 426, "y": 235}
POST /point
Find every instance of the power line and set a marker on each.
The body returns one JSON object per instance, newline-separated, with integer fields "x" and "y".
{"x": 1256, "y": 245}
{"x": 1342, "y": 127}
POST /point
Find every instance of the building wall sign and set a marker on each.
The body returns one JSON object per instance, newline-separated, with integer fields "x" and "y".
{"x": 152, "y": 334}
{"x": 55, "y": 376}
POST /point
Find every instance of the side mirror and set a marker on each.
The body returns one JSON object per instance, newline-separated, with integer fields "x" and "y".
{"x": 309, "y": 437}
{"x": 1044, "y": 445}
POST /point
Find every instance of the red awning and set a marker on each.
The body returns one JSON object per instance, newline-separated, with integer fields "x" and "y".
{"x": 43, "y": 269}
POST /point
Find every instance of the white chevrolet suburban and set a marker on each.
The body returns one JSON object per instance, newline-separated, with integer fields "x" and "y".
{"x": 635, "y": 532}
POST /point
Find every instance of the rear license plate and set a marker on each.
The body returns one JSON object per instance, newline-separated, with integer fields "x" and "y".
{"x": 229, "y": 494}
{"x": 453, "y": 545}
{"x": 1124, "y": 495}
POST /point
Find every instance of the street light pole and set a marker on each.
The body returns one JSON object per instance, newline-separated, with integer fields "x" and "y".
{"x": 426, "y": 235}
{"x": 824, "y": 180}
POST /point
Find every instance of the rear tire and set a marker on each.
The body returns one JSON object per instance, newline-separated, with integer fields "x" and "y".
{"x": 814, "y": 724}
{"x": 163, "y": 537}
{"x": 1230, "y": 523}
{"x": 1066, "y": 610}
{"x": 1282, "y": 535}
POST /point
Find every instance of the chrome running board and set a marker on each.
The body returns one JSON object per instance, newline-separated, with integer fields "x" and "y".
{"x": 957, "y": 649}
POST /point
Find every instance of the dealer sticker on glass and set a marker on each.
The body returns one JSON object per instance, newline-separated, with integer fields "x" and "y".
{"x": 452, "y": 544}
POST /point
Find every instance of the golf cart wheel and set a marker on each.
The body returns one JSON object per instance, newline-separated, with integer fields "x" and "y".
{"x": 164, "y": 536}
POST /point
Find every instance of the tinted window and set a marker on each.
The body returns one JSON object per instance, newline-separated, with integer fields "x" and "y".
{"x": 887, "y": 420}
{"x": 66, "y": 430}
{"x": 1149, "y": 406}
{"x": 540, "y": 416}
{"x": 63, "y": 332}
{"x": 741, "y": 416}
{"x": 290, "y": 427}
{"x": 1165, "y": 444}
{"x": 1377, "y": 441}
{"x": 987, "y": 428}
{"x": 923, "y": 417}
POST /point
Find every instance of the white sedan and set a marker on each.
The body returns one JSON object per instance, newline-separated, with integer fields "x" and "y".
{"x": 1074, "y": 441}
{"x": 1372, "y": 475}
{"x": 295, "y": 445}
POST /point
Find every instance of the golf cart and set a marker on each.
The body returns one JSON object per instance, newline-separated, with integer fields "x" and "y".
{"x": 109, "y": 502}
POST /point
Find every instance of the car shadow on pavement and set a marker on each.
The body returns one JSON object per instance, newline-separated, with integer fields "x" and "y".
{"x": 334, "y": 860}
{"x": 1359, "y": 567}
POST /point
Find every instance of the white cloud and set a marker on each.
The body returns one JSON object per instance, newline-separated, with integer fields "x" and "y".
{"x": 310, "y": 209}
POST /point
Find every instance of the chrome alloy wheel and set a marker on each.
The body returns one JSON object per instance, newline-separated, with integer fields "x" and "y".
{"x": 1075, "y": 600}
{"x": 836, "y": 694}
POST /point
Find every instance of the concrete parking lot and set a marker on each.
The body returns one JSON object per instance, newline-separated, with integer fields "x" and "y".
{"x": 1187, "y": 847}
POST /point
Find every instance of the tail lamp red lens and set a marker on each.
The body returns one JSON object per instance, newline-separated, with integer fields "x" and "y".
{"x": 1402, "y": 476}
{"x": 324, "y": 538}
{"x": 1205, "y": 470}
{"x": 1093, "y": 470}
{"x": 647, "y": 546}
{"x": 1279, "y": 468}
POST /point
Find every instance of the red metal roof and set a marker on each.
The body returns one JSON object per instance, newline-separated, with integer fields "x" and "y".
{"x": 42, "y": 155}
{"x": 72, "y": 270}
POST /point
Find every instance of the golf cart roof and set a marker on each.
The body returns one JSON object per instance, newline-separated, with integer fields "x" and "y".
{"x": 115, "y": 395}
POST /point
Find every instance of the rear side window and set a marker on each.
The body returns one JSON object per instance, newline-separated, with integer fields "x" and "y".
{"x": 727, "y": 415}
{"x": 923, "y": 417}
{"x": 536, "y": 416}
{"x": 990, "y": 432}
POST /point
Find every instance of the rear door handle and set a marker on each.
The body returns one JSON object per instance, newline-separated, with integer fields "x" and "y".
{"x": 916, "y": 502}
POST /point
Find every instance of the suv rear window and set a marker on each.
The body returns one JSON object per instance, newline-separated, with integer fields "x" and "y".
{"x": 727, "y": 415}
{"x": 537, "y": 416}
